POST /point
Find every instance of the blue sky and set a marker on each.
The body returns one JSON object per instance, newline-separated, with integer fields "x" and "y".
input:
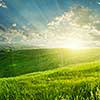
{"x": 37, "y": 14}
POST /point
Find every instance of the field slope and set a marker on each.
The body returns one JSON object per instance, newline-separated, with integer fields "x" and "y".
{"x": 75, "y": 82}
{"x": 18, "y": 62}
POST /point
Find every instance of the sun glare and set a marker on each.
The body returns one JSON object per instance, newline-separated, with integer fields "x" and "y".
{"x": 73, "y": 45}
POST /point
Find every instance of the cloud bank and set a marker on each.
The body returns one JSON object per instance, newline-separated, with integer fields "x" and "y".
{"x": 78, "y": 24}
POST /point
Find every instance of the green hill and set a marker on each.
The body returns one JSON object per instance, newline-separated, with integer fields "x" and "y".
{"x": 50, "y": 74}
{"x": 18, "y": 62}
{"x": 76, "y": 82}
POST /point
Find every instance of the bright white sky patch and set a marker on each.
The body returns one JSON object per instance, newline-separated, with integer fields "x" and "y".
{"x": 14, "y": 25}
{"x": 98, "y": 3}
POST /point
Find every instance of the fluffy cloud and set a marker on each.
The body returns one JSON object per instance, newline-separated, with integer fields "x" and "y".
{"x": 2, "y": 4}
{"x": 14, "y": 35}
{"x": 79, "y": 23}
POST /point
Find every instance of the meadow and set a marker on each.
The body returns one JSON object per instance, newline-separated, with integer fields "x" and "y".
{"x": 50, "y": 74}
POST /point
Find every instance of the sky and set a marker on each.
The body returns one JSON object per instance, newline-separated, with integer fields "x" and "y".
{"x": 51, "y": 23}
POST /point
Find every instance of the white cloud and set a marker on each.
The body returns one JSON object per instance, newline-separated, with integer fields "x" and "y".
{"x": 17, "y": 36}
{"x": 77, "y": 23}
{"x": 2, "y": 4}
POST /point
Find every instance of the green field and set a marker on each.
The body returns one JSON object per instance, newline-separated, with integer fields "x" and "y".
{"x": 50, "y": 74}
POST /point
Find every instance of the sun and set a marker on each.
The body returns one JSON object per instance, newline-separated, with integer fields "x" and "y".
{"x": 73, "y": 45}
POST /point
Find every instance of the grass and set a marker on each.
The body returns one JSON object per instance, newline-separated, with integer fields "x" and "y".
{"x": 76, "y": 82}
{"x": 14, "y": 63}
{"x": 50, "y": 74}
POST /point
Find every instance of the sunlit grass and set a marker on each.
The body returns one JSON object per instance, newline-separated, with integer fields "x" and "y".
{"x": 68, "y": 83}
{"x": 50, "y": 74}
{"x": 19, "y": 62}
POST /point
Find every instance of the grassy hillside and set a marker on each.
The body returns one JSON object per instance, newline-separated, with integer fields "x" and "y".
{"x": 76, "y": 82}
{"x": 13, "y": 63}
